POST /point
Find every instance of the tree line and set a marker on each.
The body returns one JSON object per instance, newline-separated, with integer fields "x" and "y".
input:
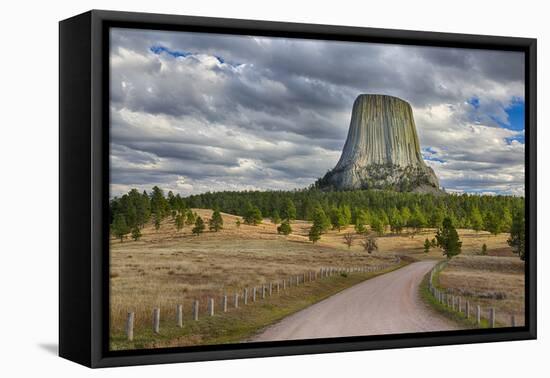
{"x": 132, "y": 211}
{"x": 379, "y": 210}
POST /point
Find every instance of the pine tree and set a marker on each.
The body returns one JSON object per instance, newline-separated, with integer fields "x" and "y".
{"x": 171, "y": 200}
{"x": 377, "y": 225}
{"x": 157, "y": 221}
{"x": 314, "y": 234}
{"x": 483, "y": 249}
{"x": 405, "y": 215}
{"x": 396, "y": 222}
{"x": 275, "y": 218}
{"x": 360, "y": 228}
{"x": 447, "y": 239}
{"x": 191, "y": 217}
{"x": 252, "y": 215}
{"x": 159, "y": 205}
{"x": 143, "y": 209}
{"x": 506, "y": 220}
{"x": 131, "y": 216}
{"x": 136, "y": 233}
{"x": 216, "y": 222}
{"x": 493, "y": 223}
{"x": 427, "y": 245}
{"x": 361, "y": 220}
{"x": 199, "y": 226}
{"x": 476, "y": 220}
{"x": 517, "y": 234}
{"x": 337, "y": 218}
{"x": 346, "y": 215}
{"x": 120, "y": 227}
{"x": 320, "y": 220}
{"x": 417, "y": 220}
{"x": 437, "y": 216}
{"x": 289, "y": 210}
{"x": 284, "y": 228}
{"x": 179, "y": 222}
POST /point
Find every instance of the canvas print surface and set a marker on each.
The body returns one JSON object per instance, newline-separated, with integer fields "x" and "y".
{"x": 276, "y": 189}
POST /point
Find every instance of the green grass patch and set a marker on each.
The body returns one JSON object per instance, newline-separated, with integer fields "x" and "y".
{"x": 240, "y": 324}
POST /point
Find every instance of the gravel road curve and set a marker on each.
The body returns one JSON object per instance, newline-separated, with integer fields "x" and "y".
{"x": 389, "y": 303}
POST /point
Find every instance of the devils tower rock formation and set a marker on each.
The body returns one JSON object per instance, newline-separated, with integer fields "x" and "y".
{"x": 382, "y": 150}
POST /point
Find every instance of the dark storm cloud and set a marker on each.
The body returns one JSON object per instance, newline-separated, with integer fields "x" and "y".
{"x": 193, "y": 111}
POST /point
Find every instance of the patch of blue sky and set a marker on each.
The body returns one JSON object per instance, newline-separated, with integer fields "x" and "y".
{"x": 431, "y": 155}
{"x": 516, "y": 117}
{"x": 474, "y": 101}
{"x": 519, "y": 138}
{"x": 159, "y": 49}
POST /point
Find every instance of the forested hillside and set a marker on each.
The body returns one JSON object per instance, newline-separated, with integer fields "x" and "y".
{"x": 394, "y": 209}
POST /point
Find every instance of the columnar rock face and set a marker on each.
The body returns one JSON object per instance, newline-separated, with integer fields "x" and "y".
{"x": 382, "y": 150}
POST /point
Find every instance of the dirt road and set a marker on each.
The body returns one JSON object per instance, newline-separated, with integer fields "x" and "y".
{"x": 389, "y": 303}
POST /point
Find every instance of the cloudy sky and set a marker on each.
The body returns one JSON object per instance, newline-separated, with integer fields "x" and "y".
{"x": 195, "y": 112}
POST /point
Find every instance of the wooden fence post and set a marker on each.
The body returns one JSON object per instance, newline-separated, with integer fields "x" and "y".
{"x": 284, "y": 284}
{"x": 492, "y": 317}
{"x": 245, "y": 296}
{"x": 156, "y": 320}
{"x": 236, "y": 300}
{"x": 270, "y": 288}
{"x": 263, "y": 291}
{"x": 467, "y": 311}
{"x": 196, "y": 310}
{"x": 179, "y": 315}
{"x": 459, "y": 305}
{"x": 130, "y": 326}
{"x": 478, "y": 315}
{"x": 513, "y": 320}
{"x": 224, "y": 303}
{"x": 278, "y": 287}
{"x": 254, "y": 294}
{"x": 211, "y": 306}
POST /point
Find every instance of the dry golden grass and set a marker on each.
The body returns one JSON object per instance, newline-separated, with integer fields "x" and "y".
{"x": 489, "y": 281}
{"x": 167, "y": 267}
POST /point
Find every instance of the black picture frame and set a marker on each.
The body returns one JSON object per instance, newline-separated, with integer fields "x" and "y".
{"x": 84, "y": 187}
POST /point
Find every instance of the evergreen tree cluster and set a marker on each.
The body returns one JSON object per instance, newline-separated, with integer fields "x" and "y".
{"x": 132, "y": 211}
{"x": 366, "y": 207}
{"x": 368, "y": 210}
